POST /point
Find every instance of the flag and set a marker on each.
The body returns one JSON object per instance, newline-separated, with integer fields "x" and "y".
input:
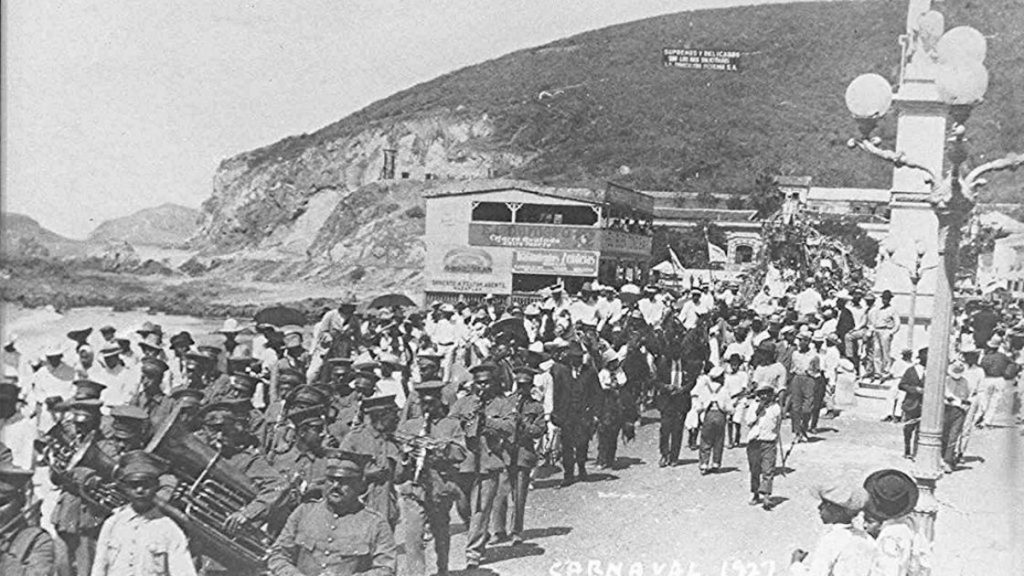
{"x": 676, "y": 264}
{"x": 716, "y": 254}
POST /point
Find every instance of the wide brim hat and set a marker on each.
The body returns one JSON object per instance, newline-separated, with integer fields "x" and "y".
{"x": 995, "y": 341}
{"x": 230, "y": 326}
{"x": 80, "y": 336}
{"x": 151, "y": 341}
{"x": 182, "y": 339}
{"x": 892, "y": 494}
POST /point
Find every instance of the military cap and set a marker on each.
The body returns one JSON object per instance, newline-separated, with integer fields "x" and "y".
{"x": 187, "y": 396}
{"x": 366, "y": 366}
{"x": 370, "y": 377}
{"x": 306, "y": 395}
{"x": 223, "y": 409}
{"x": 139, "y": 465}
{"x": 389, "y": 359}
{"x": 153, "y": 366}
{"x": 127, "y": 421}
{"x": 556, "y": 344}
{"x": 291, "y": 375}
{"x": 483, "y": 367}
{"x": 302, "y": 416}
{"x": 83, "y": 410}
{"x": 88, "y": 389}
{"x": 241, "y": 364}
{"x": 379, "y": 403}
{"x": 525, "y": 370}
{"x": 341, "y": 469}
{"x": 12, "y": 480}
{"x": 80, "y": 336}
{"x": 244, "y": 382}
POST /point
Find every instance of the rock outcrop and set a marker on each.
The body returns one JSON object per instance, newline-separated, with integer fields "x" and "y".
{"x": 167, "y": 225}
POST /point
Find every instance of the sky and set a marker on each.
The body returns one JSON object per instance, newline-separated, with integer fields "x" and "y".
{"x": 113, "y": 106}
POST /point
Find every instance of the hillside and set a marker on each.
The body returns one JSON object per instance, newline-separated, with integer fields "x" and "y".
{"x": 597, "y": 106}
{"x": 167, "y": 225}
{"x": 24, "y": 236}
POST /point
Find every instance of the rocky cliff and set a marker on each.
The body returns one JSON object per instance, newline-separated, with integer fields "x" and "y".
{"x": 596, "y": 106}
{"x": 24, "y": 237}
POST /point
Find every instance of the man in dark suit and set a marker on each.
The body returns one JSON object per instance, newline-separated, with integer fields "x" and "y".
{"x": 576, "y": 392}
{"x": 912, "y": 383}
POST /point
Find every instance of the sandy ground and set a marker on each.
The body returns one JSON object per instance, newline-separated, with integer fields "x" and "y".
{"x": 642, "y": 519}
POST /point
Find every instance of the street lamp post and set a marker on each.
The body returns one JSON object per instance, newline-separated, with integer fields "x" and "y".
{"x": 961, "y": 81}
{"x": 914, "y": 273}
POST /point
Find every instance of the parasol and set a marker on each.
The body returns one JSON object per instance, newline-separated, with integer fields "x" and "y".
{"x": 280, "y": 316}
{"x": 514, "y": 327}
{"x": 391, "y": 301}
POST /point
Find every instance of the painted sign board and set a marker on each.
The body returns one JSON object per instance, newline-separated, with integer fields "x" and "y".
{"x": 556, "y": 262}
{"x": 467, "y": 269}
{"x": 696, "y": 59}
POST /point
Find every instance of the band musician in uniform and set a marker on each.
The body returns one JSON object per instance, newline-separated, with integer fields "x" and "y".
{"x": 433, "y": 447}
{"x": 520, "y": 456}
{"x": 336, "y": 535}
{"x": 25, "y": 548}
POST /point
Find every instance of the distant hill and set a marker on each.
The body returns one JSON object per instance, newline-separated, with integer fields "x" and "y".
{"x": 24, "y": 236}
{"x": 167, "y": 225}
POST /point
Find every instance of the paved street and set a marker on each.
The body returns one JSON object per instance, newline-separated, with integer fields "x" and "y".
{"x": 648, "y": 520}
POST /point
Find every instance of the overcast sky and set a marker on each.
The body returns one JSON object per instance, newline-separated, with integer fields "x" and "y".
{"x": 112, "y": 106}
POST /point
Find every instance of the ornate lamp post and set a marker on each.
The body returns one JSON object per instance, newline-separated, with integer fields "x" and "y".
{"x": 961, "y": 80}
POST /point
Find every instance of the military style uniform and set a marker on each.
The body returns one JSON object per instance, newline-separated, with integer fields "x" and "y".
{"x": 485, "y": 463}
{"x": 28, "y": 553}
{"x": 428, "y": 501}
{"x": 383, "y": 456}
{"x": 317, "y": 540}
{"x": 531, "y": 427}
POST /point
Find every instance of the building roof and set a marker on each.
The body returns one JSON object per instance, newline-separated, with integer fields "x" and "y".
{"x": 803, "y": 181}
{"x": 712, "y": 214}
{"x": 873, "y": 195}
{"x": 611, "y": 195}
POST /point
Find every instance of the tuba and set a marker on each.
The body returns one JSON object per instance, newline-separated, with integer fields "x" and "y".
{"x": 58, "y": 446}
{"x": 101, "y": 492}
{"x": 208, "y": 491}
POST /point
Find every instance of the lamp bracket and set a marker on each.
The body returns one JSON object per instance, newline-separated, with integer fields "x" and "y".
{"x": 898, "y": 159}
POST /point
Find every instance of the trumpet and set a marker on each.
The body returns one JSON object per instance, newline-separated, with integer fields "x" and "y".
{"x": 419, "y": 445}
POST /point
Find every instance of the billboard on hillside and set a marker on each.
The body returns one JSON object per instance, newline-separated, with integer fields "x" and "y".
{"x": 696, "y": 59}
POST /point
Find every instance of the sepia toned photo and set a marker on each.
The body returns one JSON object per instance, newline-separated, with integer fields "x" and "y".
{"x": 522, "y": 288}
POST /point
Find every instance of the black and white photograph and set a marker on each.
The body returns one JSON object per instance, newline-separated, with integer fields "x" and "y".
{"x": 520, "y": 288}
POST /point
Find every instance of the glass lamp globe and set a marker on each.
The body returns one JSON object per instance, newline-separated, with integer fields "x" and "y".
{"x": 931, "y": 25}
{"x": 869, "y": 96}
{"x": 960, "y": 44}
{"x": 962, "y": 83}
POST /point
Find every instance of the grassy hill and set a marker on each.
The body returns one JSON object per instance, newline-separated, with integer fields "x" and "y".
{"x": 585, "y": 106}
{"x": 165, "y": 225}
{"x": 23, "y": 236}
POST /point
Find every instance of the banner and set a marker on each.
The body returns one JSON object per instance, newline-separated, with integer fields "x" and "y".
{"x": 556, "y": 262}
{"x": 453, "y": 268}
{"x": 533, "y": 236}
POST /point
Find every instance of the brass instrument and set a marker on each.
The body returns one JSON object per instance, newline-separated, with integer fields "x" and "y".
{"x": 419, "y": 445}
{"x": 59, "y": 445}
{"x": 102, "y": 494}
{"x": 208, "y": 492}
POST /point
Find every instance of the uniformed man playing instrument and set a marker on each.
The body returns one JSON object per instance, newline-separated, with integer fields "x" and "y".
{"x": 25, "y": 549}
{"x": 336, "y": 535}
{"x": 488, "y": 421}
{"x": 433, "y": 446}
{"x": 304, "y": 464}
{"x": 374, "y": 444}
{"x": 223, "y": 429}
{"x": 520, "y": 456}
